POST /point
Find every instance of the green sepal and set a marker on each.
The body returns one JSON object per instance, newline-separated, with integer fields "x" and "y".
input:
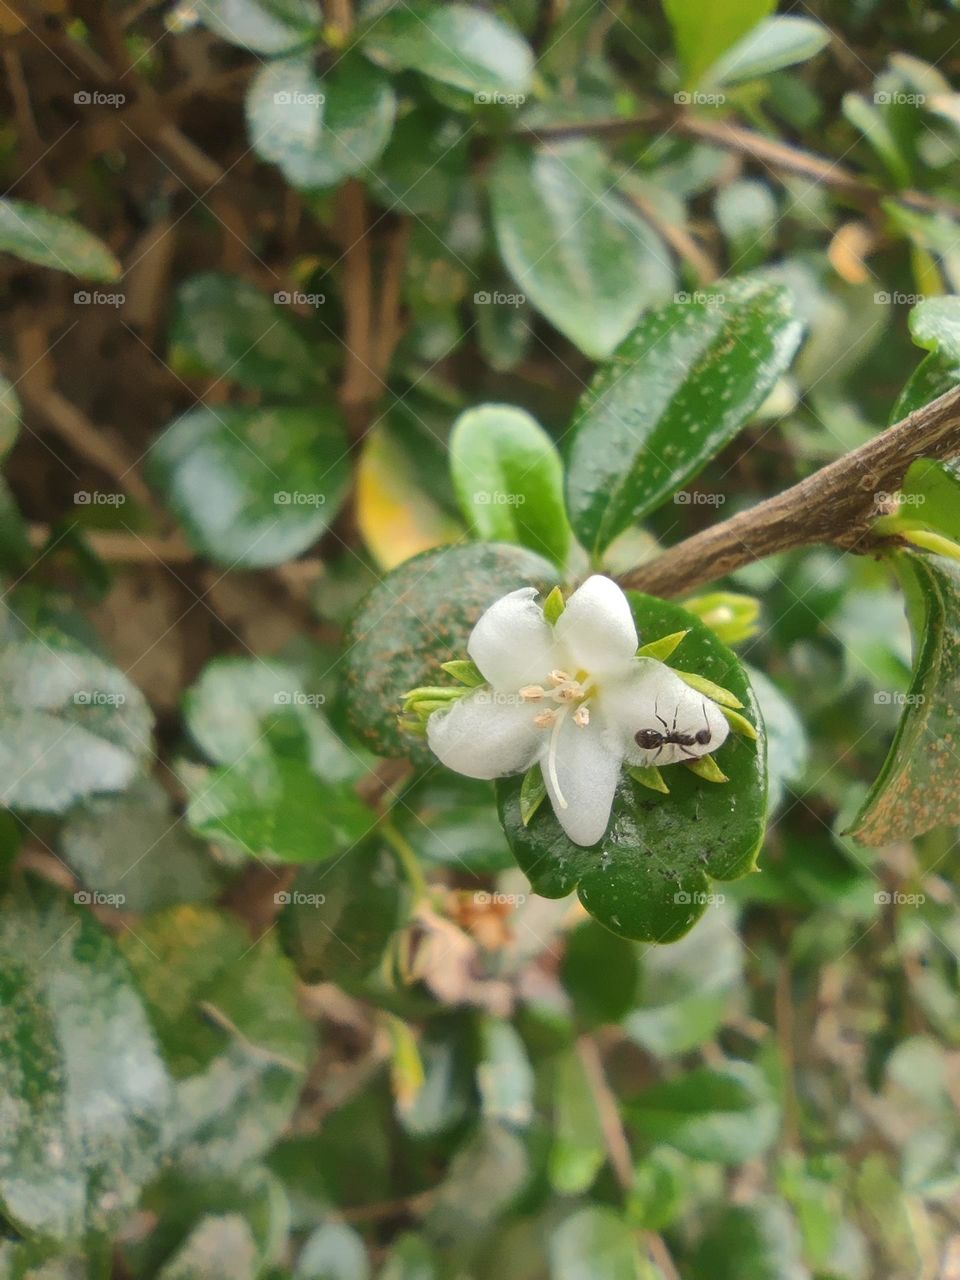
{"x": 739, "y": 723}
{"x": 707, "y": 769}
{"x": 466, "y": 672}
{"x": 533, "y": 791}
{"x": 649, "y": 776}
{"x": 662, "y": 649}
{"x": 715, "y": 692}
{"x": 927, "y": 540}
{"x": 554, "y": 605}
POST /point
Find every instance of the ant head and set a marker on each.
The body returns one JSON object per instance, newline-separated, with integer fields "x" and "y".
{"x": 703, "y": 736}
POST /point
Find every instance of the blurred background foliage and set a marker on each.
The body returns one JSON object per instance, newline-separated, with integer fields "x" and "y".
{"x": 274, "y": 1006}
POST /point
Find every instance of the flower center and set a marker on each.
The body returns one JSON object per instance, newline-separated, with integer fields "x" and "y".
{"x": 570, "y": 695}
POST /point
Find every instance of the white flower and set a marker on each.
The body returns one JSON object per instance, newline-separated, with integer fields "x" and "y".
{"x": 575, "y": 697}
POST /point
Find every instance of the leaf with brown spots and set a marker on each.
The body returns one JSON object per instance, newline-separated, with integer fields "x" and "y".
{"x": 919, "y": 784}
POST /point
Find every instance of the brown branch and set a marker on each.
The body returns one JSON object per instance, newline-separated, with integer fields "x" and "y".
{"x": 677, "y": 237}
{"x": 747, "y": 142}
{"x": 360, "y": 386}
{"x": 837, "y": 505}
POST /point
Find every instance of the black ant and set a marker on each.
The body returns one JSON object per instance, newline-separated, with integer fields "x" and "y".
{"x": 654, "y": 740}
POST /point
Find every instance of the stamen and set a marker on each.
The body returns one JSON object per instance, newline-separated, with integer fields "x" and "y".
{"x": 532, "y": 692}
{"x": 559, "y": 677}
{"x": 581, "y": 717}
{"x": 545, "y": 719}
{"x": 552, "y": 760}
{"x": 569, "y": 693}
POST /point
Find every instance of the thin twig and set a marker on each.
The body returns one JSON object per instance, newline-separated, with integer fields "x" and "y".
{"x": 836, "y": 505}
{"x": 360, "y": 387}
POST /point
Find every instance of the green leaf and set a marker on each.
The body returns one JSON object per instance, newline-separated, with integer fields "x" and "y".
{"x": 787, "y": 748}
{"x": 759, "y": 1240}
{"x": 10, "y": 416}
{"x": 71, "y": 725}
{"x": 934, "y": 326}
{"x": 578, "y": 1150}
{"x": 133, "y": 847}
{"x": 223, "y": 325}
{"x": 505, "y": 1079}
{"x": 773, "y": 44}
{"x": 457, "y": 44}
{"x": 230, "y": 709}
{"x": 578, "y": 252}
{"x": 725, "y": 1116}
{"x": 83, "y": 1091}
{"x": 647, "y": 877}
{"x": 533, "y": 792}
{"x": 409, "y": 1259}
{"x": 873, "y": 123}
{"x": 487, "y": 1172}
{"x": 337, "y": 920}
{"x": 509, "y": 480}
{"x": 451, "y": 822}
{"x": 676, "y": 392}
{"x": 593, "y": 1244}
{"x": 600, "y": 972}
{"x": 420, "y": 616}
{"x": 278, "y": 810}
{"x": 931, "y": 493}
{"x": 33, "y": 234}
{"x": 226, "y": 1012}
{"x": 705, "y": 29}
{"x": 265, "y": 26}
{"x": 333, "y": 1252}
{"x": 320, "y": 129}
{"x": 220, "y": 1247}
{"x": 252, "y": 487}
{"x": 918, "y": 787}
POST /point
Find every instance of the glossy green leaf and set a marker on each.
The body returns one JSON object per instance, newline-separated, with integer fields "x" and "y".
{"x": 705, "y": 29}
{"x": 873, "y": 123}
{"x": 224, "y": 326}
{"x": 71, "y": 725}
{"x": 575, "y": 249}
{"x": 320, "y": 129}
{"x": 919, "y": 785}
{"x": 787, "y": 746}
{"x": 677, "y": 390}
{"x": 759, "y": 1240}
{"x": 647, "y": 877}
{"x": 225, "y": 1010}
{"x": 934, "y": 326}
{"x": 775, "y": 43}
{"x": 135, "y": 849}
{"x": 420, "y": 616}
{"x": 457, "y": 44}
{"x": 252, "y": 487}
{"x": 931, "y": 493}
{"x": 234, "y": 703}
{"x": 509, "y": 479}
{"x": 265, "y": 26}
{"x": 727, "y": 1115}
{"x": 35, "y": 235}
{"x": 594, "y": 1243}
{"x": 578, "y": 1149}
{"x": 337, "y": 920}
{"x": 83, "y": 1090}
{"x": 278, "y": 810}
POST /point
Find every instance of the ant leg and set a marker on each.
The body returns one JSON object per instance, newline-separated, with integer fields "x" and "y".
{"x": 656, "y": 712}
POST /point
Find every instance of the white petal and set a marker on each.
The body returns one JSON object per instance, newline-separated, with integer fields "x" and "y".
{"x": 654, "y": 697}
{"x": 596, "y": 628}
{"x": 486, "y": 735}
{"x": 512, "y": 643}
{"x": 587, "y": 771}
